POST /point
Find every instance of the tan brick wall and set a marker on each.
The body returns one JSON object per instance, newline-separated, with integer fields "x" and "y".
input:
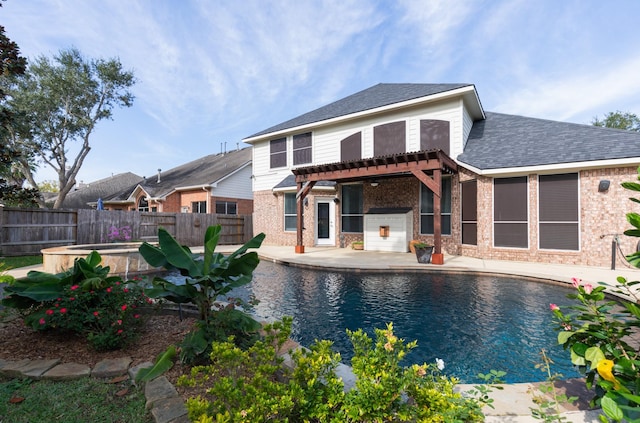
{"x": 601, "y": 214}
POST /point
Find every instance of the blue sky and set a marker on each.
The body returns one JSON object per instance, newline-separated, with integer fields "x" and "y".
{"x": 214, "y": 72}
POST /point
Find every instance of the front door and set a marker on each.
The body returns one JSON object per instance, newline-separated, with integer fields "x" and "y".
{"x": 325, "y": 222}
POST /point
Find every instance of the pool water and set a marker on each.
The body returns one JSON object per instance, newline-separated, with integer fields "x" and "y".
{"x": 474, "y": 323}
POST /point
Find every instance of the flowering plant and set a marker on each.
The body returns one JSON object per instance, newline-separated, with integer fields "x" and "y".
{"x": 109, "y": 316}
{"x": 122, "y": 234}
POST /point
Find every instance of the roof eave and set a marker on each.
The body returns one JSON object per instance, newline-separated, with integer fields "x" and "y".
{"x": 468, "y": 93}
{"x": 552, "y": 168}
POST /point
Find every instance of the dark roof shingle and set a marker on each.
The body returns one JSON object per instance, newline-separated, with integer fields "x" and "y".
{"x": 507, "y": 141}
{"x": 377, "y": 96}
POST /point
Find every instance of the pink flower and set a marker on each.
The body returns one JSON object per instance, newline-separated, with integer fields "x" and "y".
{"x": 119, "y": 331}
{"x": 136, "y": 316}
{"x": 388, "y": 346}
{"x": 126, "y": 290}
{"x": 49, "y": 312}
{"x": 42, "y": 321}
{"x": 124, "y": 307}
{"x": 117, "y": 283}
{"x": 95, "y": 313}
{"x": 576, "y": 282}
{"x": 72, "y": 299}
{"x": 587, "y": 288}
{"x": 63, "y": 310}
{"x": 149, "y": 300}
{"x": 554, "y": 307}
{"x": 109, "y": 289}
{"x": 119, "y": 322}
{"x": 74, "y": 287}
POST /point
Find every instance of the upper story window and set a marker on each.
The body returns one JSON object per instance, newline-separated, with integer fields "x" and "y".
{"x": 302, "y": 149}
{"x": 389, "y": 138}
{"x": 278, "y": 150}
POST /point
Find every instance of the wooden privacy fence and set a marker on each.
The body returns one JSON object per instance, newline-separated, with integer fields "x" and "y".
{"x": 27, "y": 231}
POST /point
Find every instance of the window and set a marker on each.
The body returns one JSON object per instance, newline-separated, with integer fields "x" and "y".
{"x": 198, "y": 207}
{"x": 434, "y": 134}
{"x": 278, "y": 150}
{"x": 290, "y": 212}
{"x": 143, "y": 204}
{"x": 426, "y": 208}
{"x": 559, "y": 212}
{"x": 226, "y": 207}
{"x": 351, "y": 147}
{"x": 389, "y": 138}
{"x": 352, "y": 208}
{"x": 302, "y": 148}
{"x": 469, "y": 212}
{"x": 510, "y": 212}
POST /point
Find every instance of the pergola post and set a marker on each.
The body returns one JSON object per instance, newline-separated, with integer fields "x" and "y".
{"x": 437, "y": 257}
{"x": 302, "y": 191}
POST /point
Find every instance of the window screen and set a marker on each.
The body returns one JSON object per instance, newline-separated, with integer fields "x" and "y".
{"x": 470, "y": 212}
{"x": 302, "y": 148}
{"x": 351, "y": 147}
{"x": 278, "y": 149}
{"x": 559, "y": 212}
{"x": 434, "y": 135}
{"x": 510, "y": 212}
{"x": 389, "y": 138}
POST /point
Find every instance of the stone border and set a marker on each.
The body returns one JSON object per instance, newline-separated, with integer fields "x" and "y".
{"x": 161, "y": 397}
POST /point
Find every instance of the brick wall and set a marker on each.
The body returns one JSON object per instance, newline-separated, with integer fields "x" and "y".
{"x": 244, "y": 206}
{"x": 600, "y": 214}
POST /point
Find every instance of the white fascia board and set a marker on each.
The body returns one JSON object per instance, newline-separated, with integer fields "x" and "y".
{"x": 553, "y": 168}
{"x": 463, "y": 91}
{"x": 294, "y": 189}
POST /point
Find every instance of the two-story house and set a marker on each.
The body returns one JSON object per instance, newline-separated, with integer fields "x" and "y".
{"x": 373, "y": 165}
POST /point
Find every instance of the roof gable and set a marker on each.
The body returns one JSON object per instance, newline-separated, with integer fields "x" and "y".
{"x": 509, "y": 141}
{"x": 81, "y": 197}
{"x": 371, "y": 98}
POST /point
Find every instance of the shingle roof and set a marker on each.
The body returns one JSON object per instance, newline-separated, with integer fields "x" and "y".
{"x": 507, "y": 141}
{"x": 203, "y": 171}
{"x": 377, "y": 96}
{"x": 103, "y": 188}
{"x": 290, "y": 182}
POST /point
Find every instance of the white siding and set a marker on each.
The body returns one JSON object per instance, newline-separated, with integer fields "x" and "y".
{"x": 400, "y": 231}
{"x": 467, "y": 123}
{"x": 237, "y": 185}
{"x": 326, "y": 140}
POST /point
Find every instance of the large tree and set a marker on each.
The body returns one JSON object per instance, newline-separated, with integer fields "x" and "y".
{"x": 11, "y": 191}
{"x": 619, "y": 120}
{"x": 60, "y": 102}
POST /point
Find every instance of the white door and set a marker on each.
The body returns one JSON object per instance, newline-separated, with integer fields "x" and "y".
{"x": 325, "y": 222}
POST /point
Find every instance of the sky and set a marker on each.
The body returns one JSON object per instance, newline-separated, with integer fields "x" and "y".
{"x": 213, "y": 72}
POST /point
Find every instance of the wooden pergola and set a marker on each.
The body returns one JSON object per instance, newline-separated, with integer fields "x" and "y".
{"x": 416, "y": 163}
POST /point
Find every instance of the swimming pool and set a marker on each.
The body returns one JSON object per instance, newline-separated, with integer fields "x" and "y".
{"x": 475, "y": 323}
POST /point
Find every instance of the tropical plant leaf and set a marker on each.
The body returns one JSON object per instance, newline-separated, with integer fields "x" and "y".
{"x": 177, "y": 255}
{"x": 633, "y": 186}
{"x": 211, "y": 238}
{"x": 254, "y": 242}
{"x": 153, "y": 255}
{"x": 163, "y": 363}
{"x": 611, "y": 408}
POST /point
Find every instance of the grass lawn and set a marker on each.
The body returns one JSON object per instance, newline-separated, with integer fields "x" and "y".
{"x": 82, "y": 400}
{"x": 20, "y": 261}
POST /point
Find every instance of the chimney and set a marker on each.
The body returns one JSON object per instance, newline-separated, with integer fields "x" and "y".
{"x": 159, "y": 170}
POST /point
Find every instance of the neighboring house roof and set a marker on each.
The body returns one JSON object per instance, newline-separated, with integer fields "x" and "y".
{"x": 509, "y": 141}
{"x": 377, "y": 96}
{"x": 86, "y": 195}
{"x": 201, "y": 172}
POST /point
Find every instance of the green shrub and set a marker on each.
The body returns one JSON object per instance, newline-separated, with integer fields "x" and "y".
{"x": 83, "y": 300}
{"x": 253, "y": 385}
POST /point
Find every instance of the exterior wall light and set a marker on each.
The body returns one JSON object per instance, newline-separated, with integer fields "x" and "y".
{"x": 603, "y": 186}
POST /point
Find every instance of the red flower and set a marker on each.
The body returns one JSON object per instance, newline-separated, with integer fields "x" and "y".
{"x": 135, "y": 316}
{"x": 49, "y": 312}
{"x": 117, "y": 283}
{"x": 71, "y": 298}
{"x": 119, "y": 322}
{"x": 95, "y": 313}
{"x": 63, "y": 310}
{"x": 74, "y": 287}
{"x": 554, "y": 307}
{"x": 109, "y": 289}
{"x": 42, "y": 321}
{"x": 126, "y": 290}
{"x": 124, "y": 307}
{"x": 119, "y": 331}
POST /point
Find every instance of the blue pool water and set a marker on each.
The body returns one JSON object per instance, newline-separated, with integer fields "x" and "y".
{"x": 474, "y": 323}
